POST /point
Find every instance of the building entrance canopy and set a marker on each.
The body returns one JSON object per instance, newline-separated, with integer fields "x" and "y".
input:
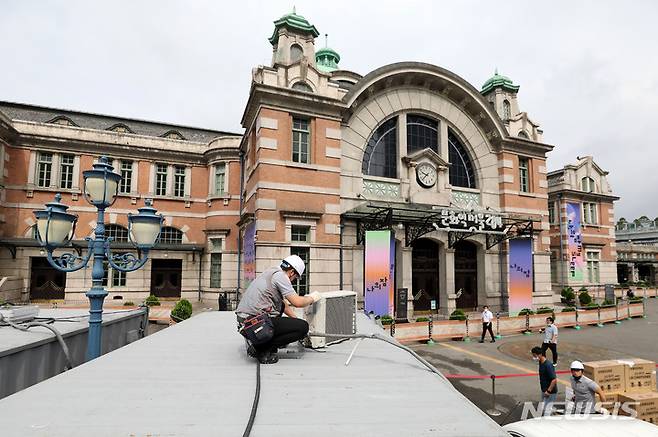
{"x": 420, "y": 219}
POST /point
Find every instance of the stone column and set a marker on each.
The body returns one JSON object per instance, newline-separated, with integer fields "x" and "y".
{"x": 448, "y": 285}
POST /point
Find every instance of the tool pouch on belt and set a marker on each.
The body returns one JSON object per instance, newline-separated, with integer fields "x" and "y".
{"x": 258, "y": 329}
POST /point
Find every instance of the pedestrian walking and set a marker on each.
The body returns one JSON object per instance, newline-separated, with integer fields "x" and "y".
{"x": 487, "y": 317}
{"x": 547, "y": 382}
{"x": 584, "y": 390}
{"x": 550, "y": 339}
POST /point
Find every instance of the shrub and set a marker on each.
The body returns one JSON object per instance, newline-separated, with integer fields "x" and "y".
{"x": 182, "y": 310}
{"x": 129, "y": 304}
{"x": 636, "y": 300}
{"x": 152, "y": 301}
{"x": 386, "y": 319}
{"x": 584, "y": 298}
{"x": 545, "y": 310}
{"x": 525, "y": 311}
{"x": 568, "y": 309}
{"x": 458, "y": 315}
{"x": 422, "y": 319}
{"x": 607, "y": 302}
{"x": 592, "y": 305}
{"x": 568, "y": 295}
{"x": 581, "y": 289}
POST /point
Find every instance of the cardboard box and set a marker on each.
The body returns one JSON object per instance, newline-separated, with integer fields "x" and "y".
{"x": 611, "y": 402}
{"x": 640, "y": 375}
{"x": 646, "y": 405}
{"x": 610, "y": 375}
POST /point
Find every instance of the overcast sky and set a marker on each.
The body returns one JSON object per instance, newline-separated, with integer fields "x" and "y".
{"x": 588, "y": 70}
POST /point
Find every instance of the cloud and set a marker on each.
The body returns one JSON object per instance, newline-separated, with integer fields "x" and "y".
{"x": 586, "y": 69}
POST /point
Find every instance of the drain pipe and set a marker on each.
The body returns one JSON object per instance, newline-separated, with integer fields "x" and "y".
{"x": 340, "y": 256}
{"x": 200, "y": 264}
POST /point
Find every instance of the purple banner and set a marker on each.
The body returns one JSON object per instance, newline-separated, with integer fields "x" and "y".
{"x": 575, "y": 243}
{"x": 378, "y": 272}
{"x": 520, "y": 275}
{"x": 249, "y": 253}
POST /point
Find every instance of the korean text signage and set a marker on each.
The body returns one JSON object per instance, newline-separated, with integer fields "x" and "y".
{"x": 469, "y": 221}
{"x": 575, "y": 243}
{"x": 520, "y": 275}
{"x": 379, "y": 267}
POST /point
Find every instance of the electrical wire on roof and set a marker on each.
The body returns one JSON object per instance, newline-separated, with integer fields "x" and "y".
{"x": 27, "y": 325}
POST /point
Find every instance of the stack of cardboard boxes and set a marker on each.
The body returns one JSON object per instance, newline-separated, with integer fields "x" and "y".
{"x": 628, "y": 381}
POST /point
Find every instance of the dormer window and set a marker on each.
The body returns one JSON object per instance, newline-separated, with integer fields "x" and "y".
{"x": 296, "y": 53}
{"x": 174, "y": 135}
{"x": 62, "y": 121}
{"x": 523, "y": 134}
{"x": 587, "y": 184}
{"x": 120, "y": 128}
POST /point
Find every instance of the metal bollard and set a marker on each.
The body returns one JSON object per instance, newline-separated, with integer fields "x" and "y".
{"x": 498, "y": 336}
{"x": 644, "y": 307}
{"x": 393, "y": 328}
{"x": 628, "y": 310}
{"x": 430, "y": 327}
{"x": 493, "y": 411}
{"x": 599, "y": 324}
{"x": 617, "y": 321}
{"x": 527, "y": 325}
{"x": 577, "y": 327}
{"x": 466, "y": 338}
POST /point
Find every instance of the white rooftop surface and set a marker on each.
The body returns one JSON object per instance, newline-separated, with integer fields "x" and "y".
{"x": 195, "y": 379}
{"x": 77, "y": 320}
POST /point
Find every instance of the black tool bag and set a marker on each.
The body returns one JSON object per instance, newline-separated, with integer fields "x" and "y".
{"x": 258, "y": 329}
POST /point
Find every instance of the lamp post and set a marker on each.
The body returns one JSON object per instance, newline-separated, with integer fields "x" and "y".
{"x": 56, "y": 227}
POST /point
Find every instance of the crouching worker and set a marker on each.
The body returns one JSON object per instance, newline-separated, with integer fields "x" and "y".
{"x": 262, "y": 307}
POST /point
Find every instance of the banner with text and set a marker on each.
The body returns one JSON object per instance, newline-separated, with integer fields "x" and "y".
{"x": 575, "y": 243}
{"x": 249, "y": 251}
{"x": 379, "y": 266}
{"x": 520, "y": 275}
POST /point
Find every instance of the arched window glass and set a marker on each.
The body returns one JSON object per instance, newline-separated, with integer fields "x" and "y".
{"x": 170, "y": 235}
{"x": 523, "y": 134}
{"x": 507, "y": 110}
{"x": 117, "y": 232}
{"x": 587, "y": 184}
{"x": 381, "y": 154}
{"x": 296, "y": 52}
{"x": 302, "y": 86}
{"x": 422, "y": 133}
{"x": 461, "y": 168}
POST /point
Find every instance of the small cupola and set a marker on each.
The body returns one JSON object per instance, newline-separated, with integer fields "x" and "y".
{"x": 327, "y": 59}
{"x": 293, "y": 40}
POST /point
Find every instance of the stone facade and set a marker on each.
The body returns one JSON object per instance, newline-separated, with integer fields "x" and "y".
{"x": 586, "y": 185}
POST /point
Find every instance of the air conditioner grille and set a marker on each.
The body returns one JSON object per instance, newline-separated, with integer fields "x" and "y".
{"x": 341, "y": 317}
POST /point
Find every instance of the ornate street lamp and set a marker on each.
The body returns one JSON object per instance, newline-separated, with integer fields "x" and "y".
{"x": 56, "y": 227}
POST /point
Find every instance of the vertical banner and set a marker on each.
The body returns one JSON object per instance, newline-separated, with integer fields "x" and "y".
{"x": 575, "y": 243}
{"x": 249, "y": 253}
{"x": 520, "y": 275}
{"x": 378, "y": 266}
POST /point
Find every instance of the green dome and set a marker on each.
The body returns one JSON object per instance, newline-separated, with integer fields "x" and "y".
{"x": 327, "y": 59}
{"x": 498, "y": 80}
{"x": 293, "y": 21}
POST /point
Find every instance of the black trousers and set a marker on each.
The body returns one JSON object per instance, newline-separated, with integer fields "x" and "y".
{"x": 552, "y": 347}
{"x": 286, "y": 330}
{"x": 487, "y": 327}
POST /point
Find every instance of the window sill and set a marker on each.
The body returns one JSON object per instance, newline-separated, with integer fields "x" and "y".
{"x": 168, "y": 197}
{"x": 224, "y": 196}
{"x": 54, "y": 189}
{"x": 381, "y": 179}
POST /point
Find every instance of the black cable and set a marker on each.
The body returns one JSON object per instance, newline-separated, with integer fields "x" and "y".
{"x": 254, "y": 406}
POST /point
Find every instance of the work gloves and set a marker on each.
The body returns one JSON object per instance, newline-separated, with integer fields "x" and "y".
{"x": 315, "y": 296}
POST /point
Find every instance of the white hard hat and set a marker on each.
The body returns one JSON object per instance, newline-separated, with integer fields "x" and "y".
{"x": 577, "y": 365}
{"x": 295, "y": 262}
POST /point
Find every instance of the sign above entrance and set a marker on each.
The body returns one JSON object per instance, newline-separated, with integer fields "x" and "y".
{"x": 466, "y": 221}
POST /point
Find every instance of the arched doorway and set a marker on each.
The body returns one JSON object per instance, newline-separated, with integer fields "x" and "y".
{"x": 466, "y": 275}
{"x": 425, "y": 274}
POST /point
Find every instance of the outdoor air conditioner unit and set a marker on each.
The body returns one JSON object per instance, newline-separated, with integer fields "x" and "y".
{"x": 334, "y": 314}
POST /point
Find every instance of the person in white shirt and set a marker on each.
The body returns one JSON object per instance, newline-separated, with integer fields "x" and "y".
{"x": 487, "y": 317}
{"x": 550, "y": 339}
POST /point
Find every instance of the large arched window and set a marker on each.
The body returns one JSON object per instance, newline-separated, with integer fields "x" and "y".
{"x": 302, "y": 86}
{"x": 118, "y": 233}
{"x": 170, "y": 235}
{"x": 381, "y": 154}
{"x": 461, "y": 168}
{"x": 422, "y": 133}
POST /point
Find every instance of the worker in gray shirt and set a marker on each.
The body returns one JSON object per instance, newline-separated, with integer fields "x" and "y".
{"x": 584, "y": 390}
{"x": 550, "y": 339}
